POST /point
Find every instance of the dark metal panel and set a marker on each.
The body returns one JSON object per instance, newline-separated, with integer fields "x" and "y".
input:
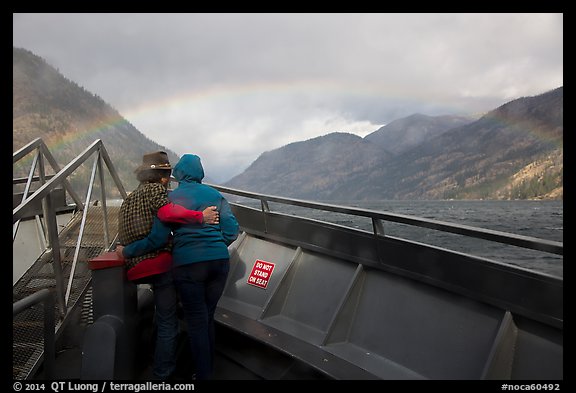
{"x": 320, "y": 236}
{"x": 539, "y": 352}
{"x": 412, "y": 311}
{"x": 529, "y": 293}
{"x": 521, "y": 291}
{"x": 312, "y": 356}
{"x": 250, "y": 218}
{"x": 430, "y": 331}
{"x": 312, "y": 295}
{"x": 374, "y": 363}
{"x": 248, "y": 299}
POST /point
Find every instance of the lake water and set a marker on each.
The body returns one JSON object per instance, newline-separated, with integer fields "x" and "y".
{"x": 540, "y": 219}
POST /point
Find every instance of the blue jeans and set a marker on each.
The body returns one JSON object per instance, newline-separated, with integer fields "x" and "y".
{"x": 200, "y": 286}
{"x": 166, "y": 304}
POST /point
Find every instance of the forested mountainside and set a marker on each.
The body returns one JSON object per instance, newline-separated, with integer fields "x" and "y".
{"x": 513, "y": 152}
{"x": 69, "y": 118}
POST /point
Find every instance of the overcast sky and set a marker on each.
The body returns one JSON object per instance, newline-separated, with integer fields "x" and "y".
{"x": 229, "y": 87}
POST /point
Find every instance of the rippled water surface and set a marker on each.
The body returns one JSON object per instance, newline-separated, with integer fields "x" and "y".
{"x": 540, "y": 219}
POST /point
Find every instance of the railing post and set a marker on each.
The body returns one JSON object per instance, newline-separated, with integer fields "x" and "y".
{"x": 52, "y": 225}
{"x": 81, "y": 231}
{"x": 109, "y": 343}
{"x": 103, "y": 198}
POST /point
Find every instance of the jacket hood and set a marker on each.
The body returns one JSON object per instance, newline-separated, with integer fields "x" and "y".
{"x": 189, "y": 169}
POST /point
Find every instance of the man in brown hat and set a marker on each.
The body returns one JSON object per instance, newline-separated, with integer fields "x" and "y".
{"x": 145, "y": 205}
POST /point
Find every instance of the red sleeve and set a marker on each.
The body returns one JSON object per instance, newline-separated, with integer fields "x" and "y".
{"x": 180, "y": 215}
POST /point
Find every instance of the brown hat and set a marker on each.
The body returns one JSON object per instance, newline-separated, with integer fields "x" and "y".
{"x": 156, "y": 160}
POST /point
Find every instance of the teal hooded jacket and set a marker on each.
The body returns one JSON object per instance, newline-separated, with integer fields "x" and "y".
{"x": 200, "y": 242}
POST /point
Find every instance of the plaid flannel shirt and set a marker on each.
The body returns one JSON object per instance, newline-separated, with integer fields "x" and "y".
{"x": 136, "y": 216}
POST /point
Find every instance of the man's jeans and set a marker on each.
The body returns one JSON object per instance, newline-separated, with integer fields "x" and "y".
{"x": 166, "y": 304}
{"x": 200, "y": 285}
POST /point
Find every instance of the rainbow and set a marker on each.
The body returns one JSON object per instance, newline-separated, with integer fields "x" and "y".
{"x": 241, "y": 92}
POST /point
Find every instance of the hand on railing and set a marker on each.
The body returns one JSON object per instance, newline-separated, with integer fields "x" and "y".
{"x": 119, "y": 249}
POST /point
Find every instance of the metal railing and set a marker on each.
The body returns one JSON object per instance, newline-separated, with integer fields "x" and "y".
{"x": 378, "y": 218}
{"x": 57, "y": 298}
{"x": 60, "y": 179}
{"x": 46, "y": 297}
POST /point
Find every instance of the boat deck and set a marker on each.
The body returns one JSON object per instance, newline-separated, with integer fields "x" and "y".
{"x": 237, "y": 358}
{"x": 304, "y": 299}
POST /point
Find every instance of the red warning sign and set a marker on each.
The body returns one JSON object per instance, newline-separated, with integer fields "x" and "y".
{"x": 261, "y": 272}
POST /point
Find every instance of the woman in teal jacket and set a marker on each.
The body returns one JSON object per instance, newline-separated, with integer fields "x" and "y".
{"x": 200, "y": 259}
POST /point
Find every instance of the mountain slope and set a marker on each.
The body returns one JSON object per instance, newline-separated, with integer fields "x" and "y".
{"x": 403, "y": 134}
{"x": 68, "y": 118}
{"x": 478, "y": 160}
{"x": 512, "y": 152}
{"x": 312, "y": 168}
